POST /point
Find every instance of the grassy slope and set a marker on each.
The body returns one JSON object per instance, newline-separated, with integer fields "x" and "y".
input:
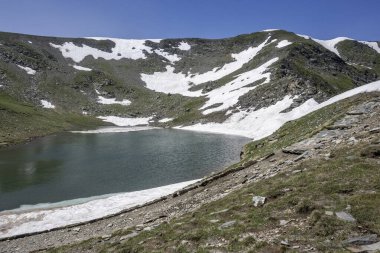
{"x": 347, "y": 178}
{"x": 21, "y": 121}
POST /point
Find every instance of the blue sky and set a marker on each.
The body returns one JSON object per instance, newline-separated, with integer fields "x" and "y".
{"x": 358, "y": 19}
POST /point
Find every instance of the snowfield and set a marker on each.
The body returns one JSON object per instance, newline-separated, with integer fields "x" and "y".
{"x": 31, "y": 219}
{"x": 265, "y": 121}
{"x": 228, "y": 94}
{"x": 179, "y": 83}
{"x": 130, "y": 49}
{"x": 28, "y": 70}
{"x": 119, "y": 121}
{"x": 184, "y": 46}
{"x": 283, "y": 43}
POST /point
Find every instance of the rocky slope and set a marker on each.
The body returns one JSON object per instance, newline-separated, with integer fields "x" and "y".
{"x": 172, "y": 82}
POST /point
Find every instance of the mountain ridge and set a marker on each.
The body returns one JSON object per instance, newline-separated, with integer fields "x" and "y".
{"x": 187, "y": 80}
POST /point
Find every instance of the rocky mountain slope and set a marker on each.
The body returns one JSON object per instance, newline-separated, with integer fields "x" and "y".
{"x": 200, "y": 84}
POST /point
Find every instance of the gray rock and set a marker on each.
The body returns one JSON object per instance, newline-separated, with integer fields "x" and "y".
{"x": 361, "y": 240}
{"x": 375, "y": 247}
{"x": 227, "y": 224}
{"x": 76, "y": 229}
{"x": 128, "y": 236}
{"x": 345, "y": 216}
{"x": 375, "y": 130}
{"x": 294, "y": 150}
{"x": 258, "y": 201}
{"x": 106, "y": 237}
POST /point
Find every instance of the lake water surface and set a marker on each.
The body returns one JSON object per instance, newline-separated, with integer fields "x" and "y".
{"x": 70, "y": 166}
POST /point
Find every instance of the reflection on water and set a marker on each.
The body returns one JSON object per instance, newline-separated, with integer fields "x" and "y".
{"x": 29, "y": 173}
{"x": 70, "y": 166}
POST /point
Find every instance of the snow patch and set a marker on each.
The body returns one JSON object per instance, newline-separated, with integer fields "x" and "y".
{"x": 130, "y": 49}
{"x": 171, "y": 57}
{"x": 119, "y": 121}
{"x": 331, "y": 44}
{"x": 111, "y": 101}
{"x": 179, "y": 83}
{"x": 184, "y": 46}
{"x": 270, "y": 30}
{"x": 115, "y": 130}
{"x": 32, "y": 220}
{"x": 304, "y": 36}
{"x": 228, "y": 94}
{"x": 47, "y": 104}
{"x": 283, "y": 43}
{"x": 265, "y": 121}
{"x": 164, "y": 120}
{"x": 30, "y": 42}
{"x": 81, "y": 68}
{"x": 27, "y": 69}
{"x": 372, "y": 44}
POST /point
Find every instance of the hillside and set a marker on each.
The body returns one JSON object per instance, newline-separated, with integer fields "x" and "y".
{"x": 200, "y": 84}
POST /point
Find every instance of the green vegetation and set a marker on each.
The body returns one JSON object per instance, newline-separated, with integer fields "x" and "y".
{"x": 21, "y": 121}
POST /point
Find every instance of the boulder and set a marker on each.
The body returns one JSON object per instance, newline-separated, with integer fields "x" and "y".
{"x": 258, "y": 201}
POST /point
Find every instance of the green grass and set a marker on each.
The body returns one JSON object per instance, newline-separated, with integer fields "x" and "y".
{"x": 20, "y": 121}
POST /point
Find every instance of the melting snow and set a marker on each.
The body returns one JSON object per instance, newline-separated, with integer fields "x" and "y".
{"x": 119, "y": 121}
{"x": 270, "y": 30}
{"x": 170, "y": 82}
{"x": 64, "y": 213}
{"x": 283, "y": 43}
{"x": 47, "y": 104}
{"x": 27, "y": 69}
{"x": 331, "y": 44}
{"x": 164, "y": 120}
{"x": 265, "y": 121}
{"x": 228, "y": 94}
{"x": 111, "y": 101}
{"x": 81, "y": 68}
{"x": 184, "y": 46}
{"x": 373, "y": 45}
{"x": 114, "y": 130}
{"x": 131, "y": 49}
{"x": 171, "y": 57}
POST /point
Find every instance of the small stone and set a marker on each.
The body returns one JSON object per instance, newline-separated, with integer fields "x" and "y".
{"x": 258, "y": 201}
{"x": 110, "y": 225}
{"x": 375, "y": 130}
{"x": 283, "y": 222}
{"x": 76, "y": 229}
{"x": 214, "y": 221}
{"x": 285, "y": 243}
{"x": 139, "y": 227}
{"x": 329, "y": 213}
{"x": 345, "y": 216}
{"x": 106, "y": 237}
{"x": 227, "y": 224}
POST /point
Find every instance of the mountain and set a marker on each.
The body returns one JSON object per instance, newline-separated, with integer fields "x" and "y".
{"x": 49, "y": 84}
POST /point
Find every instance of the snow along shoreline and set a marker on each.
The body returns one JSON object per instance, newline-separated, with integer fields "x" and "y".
{"x": 43, "y": 217}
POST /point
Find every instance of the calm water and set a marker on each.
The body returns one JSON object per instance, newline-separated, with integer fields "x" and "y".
{"x": 70, "y": 166}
